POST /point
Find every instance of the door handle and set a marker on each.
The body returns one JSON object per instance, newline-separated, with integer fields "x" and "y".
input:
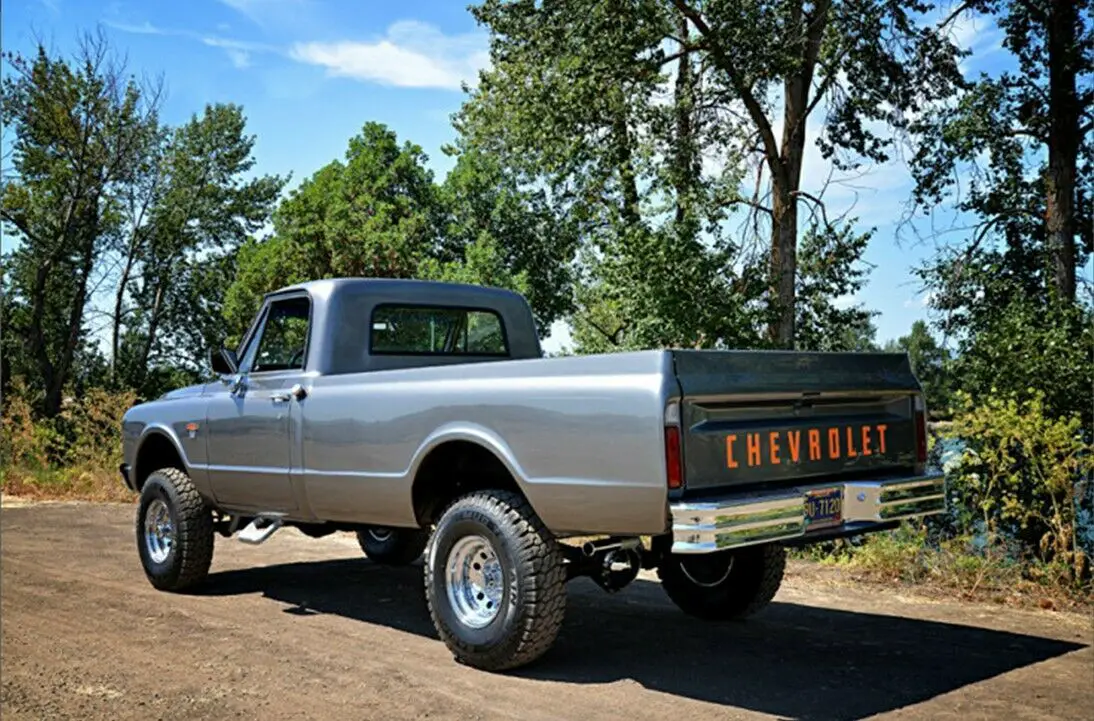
{"x": 297, "y": 392}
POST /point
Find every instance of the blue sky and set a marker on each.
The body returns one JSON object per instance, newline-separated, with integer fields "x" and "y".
{"x": 309, "y": 73}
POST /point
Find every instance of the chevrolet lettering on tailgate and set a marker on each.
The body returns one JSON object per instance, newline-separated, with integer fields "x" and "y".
{"x": 804, "y": 446}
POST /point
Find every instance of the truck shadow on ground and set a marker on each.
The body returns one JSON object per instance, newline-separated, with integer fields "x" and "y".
{"x": 792, "y": 660}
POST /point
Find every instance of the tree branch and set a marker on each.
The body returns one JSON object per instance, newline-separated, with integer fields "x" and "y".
{"x": 771, "y": 146}
{"x": 817, "y": 203}
{"x": 21, "y": 226}
{"x": 611, "y": 337}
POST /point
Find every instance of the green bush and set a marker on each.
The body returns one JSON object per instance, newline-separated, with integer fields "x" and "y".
{"x": 1023, "y": 474}
{"x": 73, "y": 455}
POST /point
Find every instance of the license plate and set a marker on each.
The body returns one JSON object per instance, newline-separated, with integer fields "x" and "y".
{"x": 824, "y": 508}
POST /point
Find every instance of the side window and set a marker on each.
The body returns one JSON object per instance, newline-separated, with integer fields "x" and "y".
{"x": 284, "y": 337}
{"x": 408, "y": 330}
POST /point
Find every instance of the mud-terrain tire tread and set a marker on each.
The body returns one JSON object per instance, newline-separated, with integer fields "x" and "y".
{"x": 406, "y": 546}
{"x": 544, "y": 576}
{"x": 751, "y": 585}
{"x": 193, "y": 520}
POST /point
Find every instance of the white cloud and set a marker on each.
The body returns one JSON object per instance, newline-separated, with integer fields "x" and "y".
{"x": 240, "y": 58}
{"x": 145, "y": 28}
{"x": 263, "y": 12}
{"x": 976, "y": 33}
{"x": 239, "y": 52}
{"x": 411, "y": 55}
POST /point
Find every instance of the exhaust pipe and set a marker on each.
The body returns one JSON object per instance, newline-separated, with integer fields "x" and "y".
{"x": 591, "y": 548}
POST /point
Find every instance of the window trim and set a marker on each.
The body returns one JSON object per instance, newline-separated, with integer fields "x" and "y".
{"x": 507, "y": 353}
{"x": 260, "y": 331}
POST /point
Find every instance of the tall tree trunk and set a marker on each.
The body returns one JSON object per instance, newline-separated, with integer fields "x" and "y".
{"x": 631, "y": 211}
{"x": 119, "y": 302}
{"x": 153, "y": 327}
{"x": 784, "y": 265}
{"x": 1063, "y": 144}
{"x": 685, "y": 170}
{"x": 787, "y": 183}
{"x": 55, "y": 389}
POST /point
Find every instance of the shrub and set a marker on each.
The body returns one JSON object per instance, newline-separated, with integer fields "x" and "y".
{"x": 71, "y": 456}
{"x": 1024, "y": 473}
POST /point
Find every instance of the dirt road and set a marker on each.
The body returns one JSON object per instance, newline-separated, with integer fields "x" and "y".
{"x": 307, "y": 629}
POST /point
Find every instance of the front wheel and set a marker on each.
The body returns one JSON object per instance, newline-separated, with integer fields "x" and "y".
{"x": 174, "y": 531}
{"x": 495, "y": 581}
{"x": 724, "y": 586}
{"x": 392, "y": 546}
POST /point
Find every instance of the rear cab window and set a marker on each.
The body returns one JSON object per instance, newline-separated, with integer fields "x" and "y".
{"x": 436, "y": 331}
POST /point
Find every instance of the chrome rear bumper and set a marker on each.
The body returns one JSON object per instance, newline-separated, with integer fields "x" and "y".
{"x": 734, "y": 521}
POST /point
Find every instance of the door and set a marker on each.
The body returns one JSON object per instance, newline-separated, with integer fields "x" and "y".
{"x": 249, "y": 417}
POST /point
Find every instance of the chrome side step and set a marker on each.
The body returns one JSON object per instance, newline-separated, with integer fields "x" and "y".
{"x": 261, "y": 528}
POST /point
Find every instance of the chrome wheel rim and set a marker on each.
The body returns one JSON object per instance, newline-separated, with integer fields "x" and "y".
{"x": 474, "y": 581}
{"x": 159, "y": 532}
{"x": 380, "y": 534}
{"x": 708, "y": 575}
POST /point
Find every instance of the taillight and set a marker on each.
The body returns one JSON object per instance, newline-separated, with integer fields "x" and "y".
{"x": 674, "y": 462}
{"x": 674, "y": 470}
{"x": 920, "y": 430}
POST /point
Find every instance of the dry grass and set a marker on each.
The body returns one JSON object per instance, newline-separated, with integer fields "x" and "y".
{"x": 956, "y": 568}
{"x": 68, "y": 484}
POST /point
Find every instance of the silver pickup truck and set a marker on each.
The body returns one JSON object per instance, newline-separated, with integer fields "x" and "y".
{"x": 423, "y": 418}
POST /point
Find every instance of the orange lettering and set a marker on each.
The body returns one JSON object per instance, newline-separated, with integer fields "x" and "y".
{"x": 753, "y": 440}
{"x": 794, "y": 438}
{"x": 851, "y": 452}
{"x": 773, "y": 447}
{"x": 866, "y": 441}
{"x": 729, "y": 451}
{"x": 881, "y": 428}
{"x": 833, "y": 443}
{"x": 814, "y": 445}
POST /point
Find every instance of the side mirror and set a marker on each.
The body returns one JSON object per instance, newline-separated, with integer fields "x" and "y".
{"x": 223, "y": 361}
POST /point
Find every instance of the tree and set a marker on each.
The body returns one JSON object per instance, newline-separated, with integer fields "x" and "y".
{"x": 612, "y": 103}
{"x": 204, "y": 211}
{"x": 506, "y": 235}
{"x": 376, "y": 214}
{"x": 930, "y": 363}
{"x": 1021, "y": 142}
{"x": 830, "y": 269}
{"x": 82, "y": 129}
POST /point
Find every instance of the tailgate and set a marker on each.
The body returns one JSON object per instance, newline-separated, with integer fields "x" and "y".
{"x": 769, "y": 416}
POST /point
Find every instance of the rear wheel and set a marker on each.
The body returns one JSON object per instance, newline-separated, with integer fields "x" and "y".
{"x": 724, "y": 586}
{"x": 174, "y": 531}
{"x": 495, "y": 581}
{"x": 392, "y": 546}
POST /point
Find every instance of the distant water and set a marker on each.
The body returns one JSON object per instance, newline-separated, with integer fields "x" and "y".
{"x": 947, "y": 450}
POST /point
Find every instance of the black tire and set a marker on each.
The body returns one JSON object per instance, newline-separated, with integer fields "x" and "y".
{"x": 532, "y": 587}
{"x": 392, "y": 546}
{"x": 724, "y": 586}
{"x": 191, "y": 552}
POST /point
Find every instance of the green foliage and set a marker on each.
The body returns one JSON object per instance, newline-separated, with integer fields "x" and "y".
{"x": 506, "y": 235}
{"x": 75, "y": 454}
{"x": 81, "y": 130}
{"x": 1014, "y": 342}
{"x": 612, "y": 106}
{"x": 931, "y": 364}
{"x": 376, "y": 214}
{"x": 829, "y": 268}
{"x": 1023, "y": 471}
{"x": 196, "y": 222}
{"x": 1018, "y": 144}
